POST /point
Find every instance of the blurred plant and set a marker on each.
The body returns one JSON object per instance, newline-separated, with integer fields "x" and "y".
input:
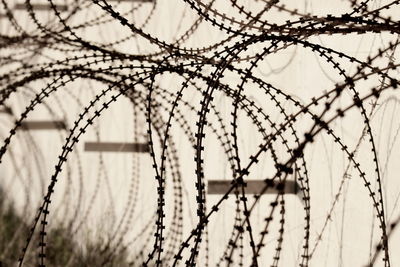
{"x": 61, "y": 249}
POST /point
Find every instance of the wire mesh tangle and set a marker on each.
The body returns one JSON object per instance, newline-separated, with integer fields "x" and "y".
{"x": 199, "y": 133}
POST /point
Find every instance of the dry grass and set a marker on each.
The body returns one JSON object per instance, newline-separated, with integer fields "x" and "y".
{"x": 61, "y": 250}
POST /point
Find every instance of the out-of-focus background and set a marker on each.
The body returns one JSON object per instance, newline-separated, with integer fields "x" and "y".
{"x": 64, "y": 60}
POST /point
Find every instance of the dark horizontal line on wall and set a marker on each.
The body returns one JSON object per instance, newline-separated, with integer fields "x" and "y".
{"x": 43, "y": 125}
{"x": 5, "y": 110}
{"x": 220, "y": 187}
{"x": 40, "y": 7}
{"x": 116, "y": 147}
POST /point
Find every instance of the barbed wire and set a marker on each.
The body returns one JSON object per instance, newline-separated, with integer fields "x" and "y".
{"x": 186, "y": 79}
